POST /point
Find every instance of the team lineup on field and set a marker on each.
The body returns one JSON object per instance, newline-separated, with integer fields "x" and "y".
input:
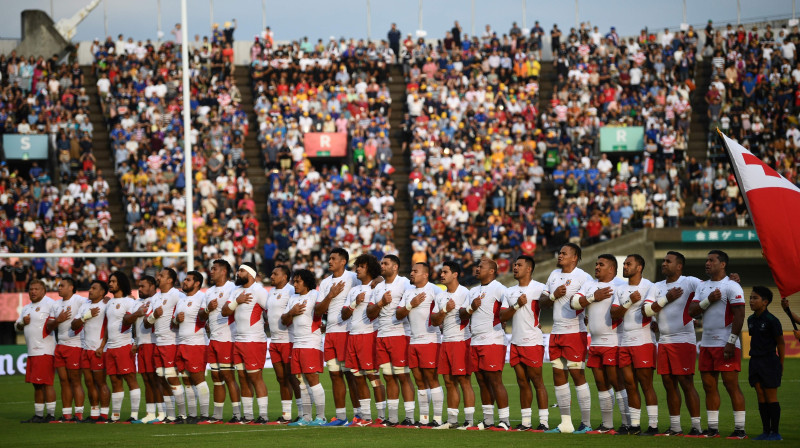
{"x": 387, "y": 337}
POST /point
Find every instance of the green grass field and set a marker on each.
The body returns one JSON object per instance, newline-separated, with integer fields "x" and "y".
{"x": 16, "y": 404}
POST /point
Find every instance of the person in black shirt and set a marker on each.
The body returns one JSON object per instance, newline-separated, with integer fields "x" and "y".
{"x": 766, "y": 360}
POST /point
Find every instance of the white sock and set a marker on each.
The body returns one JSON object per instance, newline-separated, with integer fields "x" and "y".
{"x": 180, "y": 400}
{"x": 544, "y": 416}
{"x": 563, "y": 399}
{"x": 95, "y": 411}
{"x": 366, "y": 408}
{"x": 78, "y": 410}
{"x": 636, "y": 416}
{"x": 606, "y": 400}
{"x": 526, "y": 417}
{"x": 381, "y": 408}
{"x": 237, "y": 409}
{"x": 469, "y": 415}
{"x": 51, "y": 408}
{"x": 38, "y": 409}
{"x": 696, "y": 423}
{"x": 191, "y": 400}
{"x": 218, "y": 410}
{"x": 341, "y": 413}
{"x": 263, "y": 407}
{"x": 116, "y": 404}
{"x": 286, "y": 409}
{"x": 299, "y": 403}
{"x": 66, "y": 411}
{"x": 622, "y": 404}
{"x": 305, "y": 395}
{"x": 452, "y": 416}
{"x": 168, "y": 407}
{"x": 409, "y": 408}
{"x": 652, "y": 416}
{"x": 247, "y": 407}
{"x": 150, "y": 408}
{"x": 675, "y": 423}
{"x": 103, "y": 412}
{"x": 585, "y": 403}
{"x": 502, "y": 415}
{"x": 136, "y": 399}
{"x": 422, "y": 398}
{"x": 488, "y": 414}
{"x": 393, "y": 410}
{"x": 713, "y": 419}
{"x": 319, "y": 400}
{"x": 203, "y": 396}
{"x": 437, "y": 396}
{"x": 738, "y": 419}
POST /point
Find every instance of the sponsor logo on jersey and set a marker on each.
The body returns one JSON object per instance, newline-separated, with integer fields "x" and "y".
{"x": 118, "y": 306}
{"x": 37, "y": 309}
{"x": 189, "y": 304}
{"x": 568, "y": 282}
{"x": 165, "y": 301}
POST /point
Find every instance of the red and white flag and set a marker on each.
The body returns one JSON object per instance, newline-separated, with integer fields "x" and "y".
{"x": 774, "y": 205}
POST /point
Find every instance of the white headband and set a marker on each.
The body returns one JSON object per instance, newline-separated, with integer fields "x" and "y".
{"x": 248, "y": 269}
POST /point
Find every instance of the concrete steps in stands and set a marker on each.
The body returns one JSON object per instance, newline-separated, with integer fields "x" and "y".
{"x": 252, "y": 152}
{"x": 698, "y": 132}
{"x": 101, "y": 147}
{"x": 547, "y": 82}
{"x": 402, "y": 165}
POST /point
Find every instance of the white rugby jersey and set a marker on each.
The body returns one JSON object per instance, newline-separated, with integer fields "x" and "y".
{"x": 93, "y": 329}
{"x": 305, "y": 328}
{"x": 485, "y": 321}
{"x": 453, "y": 329}
{"x": 37, "y": 338}
{"x": 66, "y": 335}
{"x": 675, "y": 325}
{"x": 718, "y": 318}
{"x": 419, "y": 318}
{"x": 276, "y": 303}
{"x": 335, "y": 323}
{"x": 604, "y": 331}
{"x": 144, "y": 335}
{"x": 635, "y": 325}
{"x": 119, "y": 333}
{"x": 388, "y": 325}
{"x": 250, "y": 316}
{"x": 359, "y": 323}
{"x": 192, "y": 331}
{"x": 165, "y": 334}
{"x": 565, "y": 319}
{"x": 222, "y": 328}
{"x": 525, "y": 330}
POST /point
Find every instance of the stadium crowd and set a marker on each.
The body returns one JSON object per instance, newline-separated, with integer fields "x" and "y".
{"x": 486, "y": 144}
{"x": 139, "y": 86}
{"x": 339, "y": 87}
{"x": 753, "y": 98}
{"x": 37, "y": 212}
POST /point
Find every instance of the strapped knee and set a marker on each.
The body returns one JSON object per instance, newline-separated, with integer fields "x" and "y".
{"x": 376, "y": 383}
{"x": 396, "y": 370}
{"x": 576, "y": 365}
{"x": 334, "y": 365}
